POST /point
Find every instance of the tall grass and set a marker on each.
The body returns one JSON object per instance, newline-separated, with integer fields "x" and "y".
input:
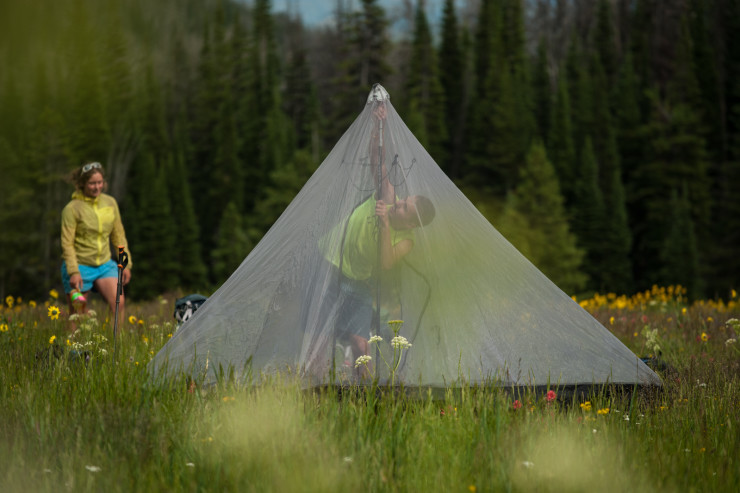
{"x": 72, "y": 424}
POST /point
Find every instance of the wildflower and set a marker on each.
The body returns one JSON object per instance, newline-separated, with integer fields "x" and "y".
{"x": 603, "y": 412}
{"x": 228, "y": 398}
{"x": 92, "y": 468}
{"x": 586, "y": 406}
{"x": 683, "y": 311}
{"x": 375, "y": 339}
{"x": 611, "y": 320}
{"x": 92, "y": 314}
{"x": 52, "y": 339}
{"x": 9, "y": 300}
{"x": 395, "y": 325}
{"x": 710, "y": 319}
{"x": 733, "y": 294}
{"x": 163, "y": 301}
{"x": 663, "y": 408}
{"x": 704, "y": 337}
{"x": 145, "y": 339}
{"x": 32, "y": 304}
{"x": 140, "y": 322}
{"x": 53, "y": 312}
{"x": 54, "y": 293}
{"x": 400, "y": 342}
{"x": 551, "y": 395}
{"x": 517, "y": 404}
{"x": 363, "y": 360}
{"x": 132, "y": 320}
{"x": 69, "y": 343}
{"x": 528, "y": 464}
{"x": 189, "y": 464}
{"x": 348, "y": 459}
{"x": 728, "y": 342}
{"x": 4, "y": 327}
{"x": 472, "y": 488}
{"x": 169, "y": 336}
{"x": 626, "y": 417}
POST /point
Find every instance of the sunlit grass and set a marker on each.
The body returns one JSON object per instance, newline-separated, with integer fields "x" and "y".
{"x": 75, "y": 416}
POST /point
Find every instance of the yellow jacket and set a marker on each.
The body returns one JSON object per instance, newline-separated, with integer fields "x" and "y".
{"x": 88, "y": 228}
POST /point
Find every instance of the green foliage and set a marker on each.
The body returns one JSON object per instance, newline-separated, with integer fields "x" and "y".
{"x": 537, "y": 197}
{"x": 679, "y": 255}
{"x": 232, "y": 244}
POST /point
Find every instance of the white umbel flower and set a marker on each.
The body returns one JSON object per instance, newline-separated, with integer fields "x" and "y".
{"x": 363, "y": 360}
{"x": 400, "y": 342}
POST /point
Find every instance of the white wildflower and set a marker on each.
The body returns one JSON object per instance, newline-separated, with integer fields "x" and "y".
{"x": 730, "y": 341}
{"x": 626, "y": 417}
{"x": 363, "y": 360}
{"x": 74, "y": 317}
{"x": 348, "y": 459}
{"x": 91, "y": 314}
{"x": 375, "y": 339}
{"x": 528, "y": 464}
{"x": 190, "y": 464}
{"x": 400, "y": 342}
{"x": 93, "y": 468}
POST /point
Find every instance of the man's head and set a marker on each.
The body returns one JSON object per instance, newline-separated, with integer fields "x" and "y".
{"x": 411, "y": 212}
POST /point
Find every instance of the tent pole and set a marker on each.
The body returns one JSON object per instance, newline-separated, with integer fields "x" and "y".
{"x": 379, "y": 264}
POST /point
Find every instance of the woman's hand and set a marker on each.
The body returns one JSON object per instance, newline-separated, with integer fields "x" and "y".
{"x": 75, "y": 280}
{"x": 125, "y": 276}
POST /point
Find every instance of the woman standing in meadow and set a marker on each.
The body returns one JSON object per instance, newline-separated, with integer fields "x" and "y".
{"x": 90, "y": 222}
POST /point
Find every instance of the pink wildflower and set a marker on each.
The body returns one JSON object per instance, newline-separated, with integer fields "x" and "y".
{"x": 551, "y": 395}
{"x": 517, "y": 404}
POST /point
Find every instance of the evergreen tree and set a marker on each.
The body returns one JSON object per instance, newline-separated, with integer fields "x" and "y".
{"x": 679, "y": 256}
{"x": 538, "y": 199}
{"x": 589, "y": 217}
{"x": 232, "y": 244}
{"x": 542, "y": 94}
{"x": 424, "y": 91}
{"x": 560, "y": 142}
{"x": 452, "y": 78}
{"x": 605, "y": 41}
{"x": 187, "y": 253}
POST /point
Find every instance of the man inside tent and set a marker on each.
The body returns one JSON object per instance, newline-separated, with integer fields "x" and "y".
{"x": 355, "y": 242}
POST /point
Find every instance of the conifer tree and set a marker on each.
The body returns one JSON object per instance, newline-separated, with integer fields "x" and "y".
{"x": 605, "y": 41}
{"x": 542, "y": 94}
{"x": 423, "y": 89}
{"x": 538, "y": 199}
{"x": 589, "y": 217}
{"x": 452, "y": 75}
{"x": 560, "y": 146}
{"x": 679, "y": 255}
{"x": 187, "y": 252}
{"x": 232, "y": 244}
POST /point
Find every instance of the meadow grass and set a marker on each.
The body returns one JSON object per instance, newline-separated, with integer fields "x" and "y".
{"x": 73, "y": 418}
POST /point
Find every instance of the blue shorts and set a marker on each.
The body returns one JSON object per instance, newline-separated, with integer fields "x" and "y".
{"x": 90, "y": 275}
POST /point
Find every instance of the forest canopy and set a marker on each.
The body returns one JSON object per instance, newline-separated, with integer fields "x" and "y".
{"x": 602, "y": 138}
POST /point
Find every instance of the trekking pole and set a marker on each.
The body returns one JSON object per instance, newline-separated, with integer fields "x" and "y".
{"x": 122, "y": 263}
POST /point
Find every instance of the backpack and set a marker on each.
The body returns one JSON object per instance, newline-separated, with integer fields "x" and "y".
{"x": 186, "y": 306}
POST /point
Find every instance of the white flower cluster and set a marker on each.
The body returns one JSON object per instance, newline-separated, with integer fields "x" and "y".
{"x": 400, "y": 342}
{"x": 730, "y": 341}
{"x": 363, "y": 360}
{"x": 375, "y": 339}
{"x": 734, "y": 323}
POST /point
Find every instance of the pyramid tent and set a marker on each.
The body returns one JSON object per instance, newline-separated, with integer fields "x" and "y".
{"x": 377, "y": 234}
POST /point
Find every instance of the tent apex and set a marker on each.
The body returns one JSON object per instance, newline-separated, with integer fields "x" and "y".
{"x": 378, "y": 93}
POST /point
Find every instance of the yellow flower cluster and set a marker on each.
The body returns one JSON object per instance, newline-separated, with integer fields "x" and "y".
{"x": 586, "y": 406}
{"x": 656, "y": 297}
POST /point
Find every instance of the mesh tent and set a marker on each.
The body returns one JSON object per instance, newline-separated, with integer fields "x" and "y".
{"x": 379, "y": 233}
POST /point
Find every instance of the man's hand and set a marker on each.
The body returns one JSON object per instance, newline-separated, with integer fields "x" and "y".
{"x": 382, "y": 212}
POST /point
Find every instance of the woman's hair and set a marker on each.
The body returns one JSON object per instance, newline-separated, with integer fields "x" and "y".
{"x": 81, "y": 175}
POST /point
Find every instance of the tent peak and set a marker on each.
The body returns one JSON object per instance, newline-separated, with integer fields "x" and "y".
{"x": 378, "y": 93}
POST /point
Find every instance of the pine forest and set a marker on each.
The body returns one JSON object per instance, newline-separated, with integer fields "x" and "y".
{"x": 601, "y": 137}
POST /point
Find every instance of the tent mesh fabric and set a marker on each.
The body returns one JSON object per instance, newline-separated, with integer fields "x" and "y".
{"x": 335, "y": 268}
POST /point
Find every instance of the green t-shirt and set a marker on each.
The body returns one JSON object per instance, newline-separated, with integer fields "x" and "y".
{"x": 360, "y": 241}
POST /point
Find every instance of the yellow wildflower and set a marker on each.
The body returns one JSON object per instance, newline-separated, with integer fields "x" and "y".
{"x": 32, "y": 304}
{"x": 586, "y": 406}
{"x": 132, "y": 320}
{"x": 52, "y": 339}
{"x": 54, "y": 294}
{"x": 169, "y": 336}
{"x": 733, "y": 294}
{"x": 53, "y": 312}
{"x": 472, "y": 488}
{"x": 9, "y": 300}
{"x": 683, "y": 310}
{"x": 19, "y": 300}
{"x": 611, "y": 320}
{"x": 141, "y": 322}
{"x": 704, "y": 337}
{"x": 603, "y": 411}
{"x": 710, "y": 319}
{"x": 4, "y": 327}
